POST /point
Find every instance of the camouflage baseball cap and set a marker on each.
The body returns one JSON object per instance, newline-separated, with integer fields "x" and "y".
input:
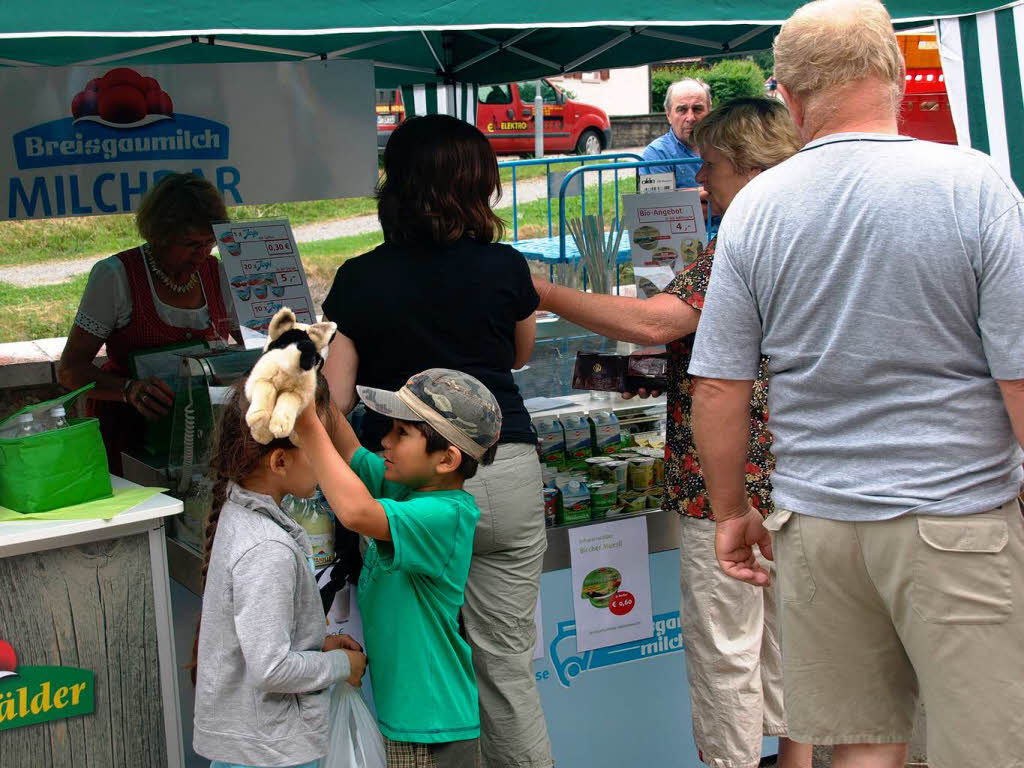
{"x": 457, "y": 405}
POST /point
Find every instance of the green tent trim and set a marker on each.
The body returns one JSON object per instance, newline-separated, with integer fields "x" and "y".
{"x": 983, "y": 61}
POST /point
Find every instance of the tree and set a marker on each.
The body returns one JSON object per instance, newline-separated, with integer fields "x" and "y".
{"x": 729, "y": 79}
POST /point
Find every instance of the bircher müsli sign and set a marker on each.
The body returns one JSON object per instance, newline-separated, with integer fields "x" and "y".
{"x": 263, "y": 270}
{"x": 611, "y": 583}
{"x": 666, "y": 233}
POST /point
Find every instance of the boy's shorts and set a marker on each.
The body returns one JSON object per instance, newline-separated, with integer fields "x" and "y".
{"x": 449, "y": 754}
{"x": 873, "y": 611}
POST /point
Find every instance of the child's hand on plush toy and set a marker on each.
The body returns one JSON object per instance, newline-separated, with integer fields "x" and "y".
{"x": 283, "y": 381}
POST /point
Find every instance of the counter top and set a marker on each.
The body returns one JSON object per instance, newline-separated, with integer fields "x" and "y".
{"x": 18, "y": 538}
{"x": 587, "y": 402}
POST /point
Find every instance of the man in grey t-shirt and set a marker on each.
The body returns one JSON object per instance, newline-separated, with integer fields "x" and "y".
{"x": 884, "y": 278}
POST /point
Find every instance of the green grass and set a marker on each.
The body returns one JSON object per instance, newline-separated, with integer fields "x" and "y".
{"x": 533, "y": 216}
{"x": 48, "y": 310}
{"x": 45, "y": 311}
{"x": 40, "y": 241}
{"x": 34, "y": 242}
{"x": 39, "y": 313}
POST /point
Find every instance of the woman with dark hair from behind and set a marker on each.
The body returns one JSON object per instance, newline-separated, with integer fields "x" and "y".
{"x": 441, "y": 293}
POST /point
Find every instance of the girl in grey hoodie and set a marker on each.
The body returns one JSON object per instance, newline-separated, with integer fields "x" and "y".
{"x": 261, "y": 665}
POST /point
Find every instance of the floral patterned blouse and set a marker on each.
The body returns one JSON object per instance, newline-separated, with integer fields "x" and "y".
{"x": 684, "y": 484}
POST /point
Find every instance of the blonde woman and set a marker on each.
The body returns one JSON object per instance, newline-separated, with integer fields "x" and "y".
{"x": 729, "y": 629}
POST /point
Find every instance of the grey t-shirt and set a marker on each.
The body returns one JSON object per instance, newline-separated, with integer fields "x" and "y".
{"x": 884, "y": 278}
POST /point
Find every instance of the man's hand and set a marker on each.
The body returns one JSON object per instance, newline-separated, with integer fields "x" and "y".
{"x": 642, "y": 393}
{"x": 734, "y": 545}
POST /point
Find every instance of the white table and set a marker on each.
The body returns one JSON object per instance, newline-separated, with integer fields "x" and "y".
{"x": 37, "y": 559}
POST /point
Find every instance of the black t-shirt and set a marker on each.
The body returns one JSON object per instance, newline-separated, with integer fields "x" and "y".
{"x": 410, "y": 308}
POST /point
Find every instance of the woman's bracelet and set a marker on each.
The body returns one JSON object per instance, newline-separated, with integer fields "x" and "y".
{"x": 124, "y": 390}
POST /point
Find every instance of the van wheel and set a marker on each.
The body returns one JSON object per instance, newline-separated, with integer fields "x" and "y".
{"x": 589, "y": 143}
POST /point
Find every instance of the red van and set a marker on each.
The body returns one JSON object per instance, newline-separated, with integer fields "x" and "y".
{"x": 925, "y": 112}
{"x": 504, "y": 114}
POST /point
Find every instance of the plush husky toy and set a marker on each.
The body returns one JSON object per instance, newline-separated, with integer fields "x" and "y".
{"x": 283, "y": 381}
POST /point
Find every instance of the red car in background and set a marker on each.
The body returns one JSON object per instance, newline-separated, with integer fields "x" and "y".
{"x": 504, "y": 114}
{"x": 925, "y": 112}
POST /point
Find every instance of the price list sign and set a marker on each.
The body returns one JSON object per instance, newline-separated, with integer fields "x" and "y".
{"x": 263, "y": 268}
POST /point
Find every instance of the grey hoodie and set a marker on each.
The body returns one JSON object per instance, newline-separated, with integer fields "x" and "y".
{"x": 261, "y": 680}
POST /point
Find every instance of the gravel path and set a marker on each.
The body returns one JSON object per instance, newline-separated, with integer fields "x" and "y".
{"x": 54, "y": 272}
{"x": 526, "y": 192}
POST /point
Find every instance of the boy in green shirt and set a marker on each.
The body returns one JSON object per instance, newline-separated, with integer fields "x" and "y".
{"x": 411, "y": 503}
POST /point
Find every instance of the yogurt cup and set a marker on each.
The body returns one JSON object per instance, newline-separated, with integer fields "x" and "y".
{"x": 602, "y": 498}
{"x": 641, "y": 473}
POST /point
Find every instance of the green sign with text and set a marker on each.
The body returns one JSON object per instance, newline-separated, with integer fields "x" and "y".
{"x": 31, "y": 695}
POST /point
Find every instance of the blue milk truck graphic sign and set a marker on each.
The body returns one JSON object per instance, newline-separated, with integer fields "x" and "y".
{"x": 570, "y": 664}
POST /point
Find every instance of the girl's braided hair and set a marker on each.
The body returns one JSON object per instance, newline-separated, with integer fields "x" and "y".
{"x": 235, "y": 456}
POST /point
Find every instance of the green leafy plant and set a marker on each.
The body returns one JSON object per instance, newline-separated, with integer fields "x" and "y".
{"x": 729, "y": 79}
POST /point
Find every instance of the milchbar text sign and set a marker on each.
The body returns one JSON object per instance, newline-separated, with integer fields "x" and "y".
{"x": 92, "y": 140}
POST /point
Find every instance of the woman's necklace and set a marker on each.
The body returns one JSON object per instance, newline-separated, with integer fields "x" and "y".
{"x": 163, "y": 277}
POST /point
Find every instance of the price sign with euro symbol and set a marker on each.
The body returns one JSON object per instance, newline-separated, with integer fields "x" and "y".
{"x": 262, "y": 265}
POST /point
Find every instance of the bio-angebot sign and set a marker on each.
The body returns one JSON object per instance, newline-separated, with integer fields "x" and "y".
{"x": 666, "y": 234}
{"x": 93, "y": 140}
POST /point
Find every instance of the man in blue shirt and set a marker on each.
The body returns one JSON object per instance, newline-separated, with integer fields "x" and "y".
{"x": 687, "y": 102}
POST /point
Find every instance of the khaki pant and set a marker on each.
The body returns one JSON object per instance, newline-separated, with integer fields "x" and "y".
{"x": 732, "y": 654}
{"x": 501, "y": 597}
{"x": 872, "y": 612}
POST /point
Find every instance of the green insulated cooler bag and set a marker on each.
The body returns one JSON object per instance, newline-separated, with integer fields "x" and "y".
{"x": 47, "y": 470}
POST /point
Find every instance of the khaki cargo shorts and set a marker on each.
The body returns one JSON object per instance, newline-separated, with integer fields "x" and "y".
{"x": 872, "y": 613}
{"x": 733, "y": 664}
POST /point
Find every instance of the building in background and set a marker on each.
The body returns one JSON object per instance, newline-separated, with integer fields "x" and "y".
{"x": 625, "y": 91}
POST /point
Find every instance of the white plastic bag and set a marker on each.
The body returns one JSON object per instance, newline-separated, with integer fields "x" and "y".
{"x": 355, "y": 740}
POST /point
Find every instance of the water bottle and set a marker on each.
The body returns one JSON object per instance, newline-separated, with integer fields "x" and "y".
{"x": 25, "y": 425}
{"x": 58, "y": 418}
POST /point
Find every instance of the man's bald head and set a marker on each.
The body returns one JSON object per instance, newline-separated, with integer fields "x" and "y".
{"x": 828, "y": 45}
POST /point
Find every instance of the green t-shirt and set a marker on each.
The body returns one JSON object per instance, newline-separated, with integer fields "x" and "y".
{"x": 410, "y": 593}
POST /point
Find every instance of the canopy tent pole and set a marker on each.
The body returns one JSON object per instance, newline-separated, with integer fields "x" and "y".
{"x": 213, "y": 40}
{"x": 674, "y": 38}
{"x": 403, "y": 67}
{"x": 135, "y": 52}
{"x": 498, "y": 47}
{"x": 572, "y": 65}
{"x": 432, "y": 51}
{"x": 363, "y": 46}
{"x": 740, "y": 40}
{"x": 538, "y": 120}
